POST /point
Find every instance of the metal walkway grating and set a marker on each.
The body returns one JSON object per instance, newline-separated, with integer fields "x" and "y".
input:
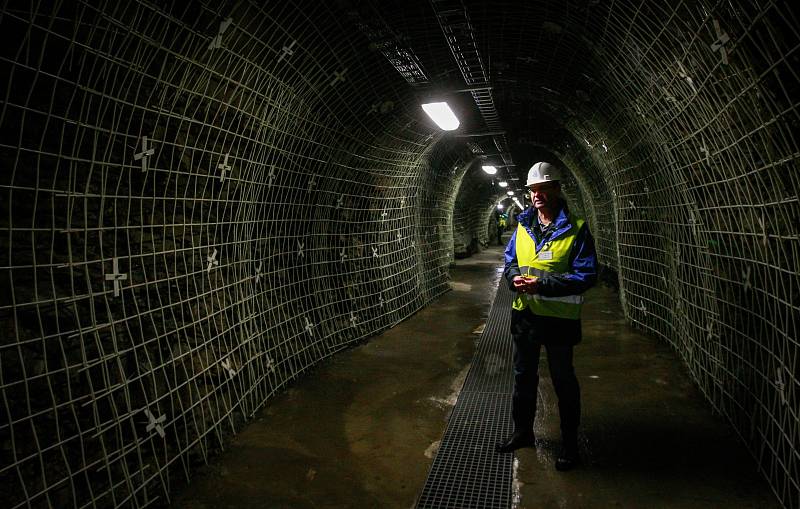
{"x": 466, "y": 472}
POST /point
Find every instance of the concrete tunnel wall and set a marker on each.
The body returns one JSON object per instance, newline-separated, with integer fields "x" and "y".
{"x": 200, "y": 203}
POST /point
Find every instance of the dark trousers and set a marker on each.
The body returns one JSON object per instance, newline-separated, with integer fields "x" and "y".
{"x": 527, "y": 348}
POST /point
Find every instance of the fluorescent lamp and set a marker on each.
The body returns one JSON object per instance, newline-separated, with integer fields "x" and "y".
{"x": 510, "y": 193}
{"x": 442, "y": 115}
{"x": 488, "y": 168}
{"x": 502, "y": 183}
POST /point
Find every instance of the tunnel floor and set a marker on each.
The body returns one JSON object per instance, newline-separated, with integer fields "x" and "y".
{"x": 362, "y": 429}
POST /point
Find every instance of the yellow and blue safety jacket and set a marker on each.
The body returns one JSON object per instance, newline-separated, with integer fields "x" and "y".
{"x": 563, "y": 258}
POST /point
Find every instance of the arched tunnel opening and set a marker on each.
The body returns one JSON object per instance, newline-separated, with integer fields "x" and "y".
{"x": 201, "y": 201}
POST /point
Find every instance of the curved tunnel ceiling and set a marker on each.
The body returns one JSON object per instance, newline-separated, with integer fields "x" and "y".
{"x": 200, "y": 202}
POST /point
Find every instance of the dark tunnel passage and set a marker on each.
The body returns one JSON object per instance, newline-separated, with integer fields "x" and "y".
{"x": 200, "y": 201}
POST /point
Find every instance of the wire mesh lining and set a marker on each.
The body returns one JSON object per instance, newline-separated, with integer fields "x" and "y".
{"x": 700, "y": 161}
{"x": 194, "y": 216}
{"x": 472, "y": 210}
{"x": 681, "y": 122}
{"x": 678, "y": 121}
{"x": 170, "y": 176}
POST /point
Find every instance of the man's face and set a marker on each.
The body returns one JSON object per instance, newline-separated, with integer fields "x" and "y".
{"x": 545, "y": 195}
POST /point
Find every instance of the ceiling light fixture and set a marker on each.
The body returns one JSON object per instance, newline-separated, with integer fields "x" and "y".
{"x": 502, "y": 183}
{"x": 510, "y": 193}
{"x": 442, "y": 115}
{"x": 488, "y": 168}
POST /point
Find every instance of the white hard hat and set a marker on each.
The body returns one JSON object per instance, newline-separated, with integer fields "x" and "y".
{"x": 542, "y": 172}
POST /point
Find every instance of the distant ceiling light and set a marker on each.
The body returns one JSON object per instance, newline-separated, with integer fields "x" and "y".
{"x": 442, "y": 115}
{"x": 491, "y": 170}
{"x": 499, "y": 206}
{"x": 510, "y": 193}
{"x": 502, "y": 183}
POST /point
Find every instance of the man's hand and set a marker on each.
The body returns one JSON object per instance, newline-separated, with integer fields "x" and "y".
{"x": 524, "y": 284}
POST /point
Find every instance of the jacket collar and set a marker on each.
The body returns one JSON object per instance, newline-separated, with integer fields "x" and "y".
{"x": 562, "y": 222}
{"x": 528, "y": 216}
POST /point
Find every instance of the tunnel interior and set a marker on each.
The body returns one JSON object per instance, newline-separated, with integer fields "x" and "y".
{"x": 203, "y": 200}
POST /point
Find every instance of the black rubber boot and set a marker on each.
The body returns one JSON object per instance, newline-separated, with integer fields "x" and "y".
{"x": 517, "y": 440}
{"x": 568, "y": 457}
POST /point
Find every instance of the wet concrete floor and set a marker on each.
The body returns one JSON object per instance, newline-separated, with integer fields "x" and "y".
{"x": 361, "y": 430}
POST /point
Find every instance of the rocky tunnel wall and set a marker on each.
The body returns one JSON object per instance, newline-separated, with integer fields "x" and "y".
{"x": 198, "y": 205}
{"x": 682, "y": 141}
{"x": 473, "y": 208}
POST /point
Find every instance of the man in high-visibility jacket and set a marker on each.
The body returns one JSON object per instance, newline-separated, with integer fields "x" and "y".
{"x": 550, "y": 262}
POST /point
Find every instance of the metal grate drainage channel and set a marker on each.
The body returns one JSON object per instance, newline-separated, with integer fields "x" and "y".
{"x": 466, "y": 472}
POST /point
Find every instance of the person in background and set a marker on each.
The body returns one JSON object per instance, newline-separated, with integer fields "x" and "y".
{"x": 549, "y": 262}
{"x": 501, "y": 227}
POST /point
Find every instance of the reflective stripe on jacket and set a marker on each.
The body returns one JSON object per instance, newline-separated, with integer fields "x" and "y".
{"x": 552, "y": 258}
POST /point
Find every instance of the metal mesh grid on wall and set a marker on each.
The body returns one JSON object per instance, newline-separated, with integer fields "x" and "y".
{"x": 197, "y": 207}
{"x": 686, "y": 159}
{"x": 681, "y": 121}
{"x": 201, "y": 202}
{"x": 474, "y": 205}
